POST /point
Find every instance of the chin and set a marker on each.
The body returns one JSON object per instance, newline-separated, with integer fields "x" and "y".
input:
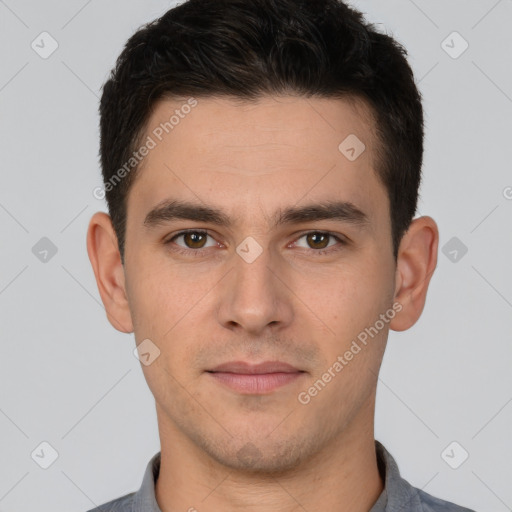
{"x": 261, "y": 456}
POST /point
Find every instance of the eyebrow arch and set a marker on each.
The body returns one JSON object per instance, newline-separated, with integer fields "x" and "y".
{"x": 169, "y": 210}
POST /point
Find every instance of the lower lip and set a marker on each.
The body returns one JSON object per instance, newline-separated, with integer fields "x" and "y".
{"x": 255, "y": 384}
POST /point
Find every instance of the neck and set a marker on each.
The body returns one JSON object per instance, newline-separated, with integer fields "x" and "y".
{"x": 344, "y": 476}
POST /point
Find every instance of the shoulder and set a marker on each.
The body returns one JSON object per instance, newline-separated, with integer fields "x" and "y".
{"x": 430, "y": 503}
{"x": 404, "y": 497}
{"x": 122, "y": 504}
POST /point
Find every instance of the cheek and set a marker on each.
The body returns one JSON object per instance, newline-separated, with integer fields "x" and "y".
{"x": 350, "y": 297}
{"x": 169, "y": 301}
{"x": 353, "y": 300}
{"x": 160, "y": 294}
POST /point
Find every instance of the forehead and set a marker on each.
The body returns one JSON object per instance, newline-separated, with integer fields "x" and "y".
{"x": 257, "y": 157}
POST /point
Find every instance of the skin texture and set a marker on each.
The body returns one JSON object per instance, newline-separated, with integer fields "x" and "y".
{"x": 223, "y": 450}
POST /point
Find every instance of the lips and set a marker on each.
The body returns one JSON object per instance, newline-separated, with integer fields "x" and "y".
{"x": 255, "y": 379}
{"x": 243, "y": 368}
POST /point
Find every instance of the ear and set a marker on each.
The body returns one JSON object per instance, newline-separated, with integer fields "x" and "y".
{"x": 416, "y": 262}
{"x": 105, "y": 258}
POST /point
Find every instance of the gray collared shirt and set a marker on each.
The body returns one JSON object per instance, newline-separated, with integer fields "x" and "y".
{"x": 397, "y": 496}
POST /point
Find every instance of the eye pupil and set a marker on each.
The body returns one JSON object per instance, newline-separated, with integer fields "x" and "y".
{"x": 313, "y": 237}
{"x": 195, "y": 236}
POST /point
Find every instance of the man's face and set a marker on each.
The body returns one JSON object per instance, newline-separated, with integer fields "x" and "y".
{"x": 258, "y": 289}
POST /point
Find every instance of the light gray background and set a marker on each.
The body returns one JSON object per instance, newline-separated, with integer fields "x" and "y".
{"x": 68, "y": 378}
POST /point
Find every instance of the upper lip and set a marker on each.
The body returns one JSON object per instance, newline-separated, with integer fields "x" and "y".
{"x": 254, "y": 369}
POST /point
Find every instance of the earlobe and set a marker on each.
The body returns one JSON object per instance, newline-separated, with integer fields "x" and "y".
{"x": 105, "y": 258}
{"x": 416, "y": 262}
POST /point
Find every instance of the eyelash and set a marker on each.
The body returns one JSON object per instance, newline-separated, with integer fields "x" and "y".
{"x": 200, "y": 252}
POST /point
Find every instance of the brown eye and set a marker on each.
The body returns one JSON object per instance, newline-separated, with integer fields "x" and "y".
{"x": 194, "y": 239}
{"x": 318, "y": 240}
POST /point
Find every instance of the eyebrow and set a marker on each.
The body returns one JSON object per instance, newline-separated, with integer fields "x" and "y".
{"x": 169, "y": 210}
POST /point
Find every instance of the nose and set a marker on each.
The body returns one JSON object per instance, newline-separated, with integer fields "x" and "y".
{"x": 256, "y": 295}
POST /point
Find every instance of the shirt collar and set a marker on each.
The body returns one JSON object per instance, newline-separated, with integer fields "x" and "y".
{"x": 397, "y": 494}
{"x": 144, "y": 499}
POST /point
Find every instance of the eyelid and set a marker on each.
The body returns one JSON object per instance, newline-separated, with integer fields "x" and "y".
{"x": 297, "y": 236}
{"x": 339, "y": 236}
{"x": 201, "y": 231}
{"x": 342, "y": 242}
